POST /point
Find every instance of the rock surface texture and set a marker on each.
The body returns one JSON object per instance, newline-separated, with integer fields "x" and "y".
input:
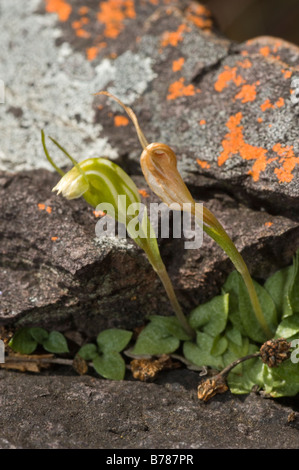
{"x": 230, "y": 112}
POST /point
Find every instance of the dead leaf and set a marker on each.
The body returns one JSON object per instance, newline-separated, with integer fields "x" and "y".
{"x": 148, "y": 369}
{"x": 26, "y": 363}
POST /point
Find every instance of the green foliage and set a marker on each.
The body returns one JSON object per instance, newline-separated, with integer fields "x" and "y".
{"x": 26, "y": 340}
{"x": 55, "y": 343}
{"x": 105, "y": 355}
{"x": 156, "y": 339}
{"x": 226, "y": 330}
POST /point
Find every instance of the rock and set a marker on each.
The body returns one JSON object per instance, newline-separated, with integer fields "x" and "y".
{"x": 42, "y": 412}
{"x": 65, "y": 277}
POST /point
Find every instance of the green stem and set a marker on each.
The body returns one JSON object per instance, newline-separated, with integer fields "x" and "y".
{"x": 160, "y": 269}
{"x": 220, "y": 236}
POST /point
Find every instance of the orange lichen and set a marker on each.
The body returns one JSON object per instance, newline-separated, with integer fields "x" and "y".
{"x": 92, "y": 52}
{"x": 43, "y": 207}
{"x": 268, "y": 224}
{"x": 280, "y": 102}
{"x": 81, "y": 33}
{"x": 85, "y": 20}
{"x": 143, "y": 192}
{"x": 172, "y": 38}
{"x": 234, "y": 144}
{"x": 54, "y": 239}
{"x": 265, "y": 51}
{"x": 266, "y": 105}
{"x": 247, "y": 93}
{"x": 245, "y": 64}
{"x": 113, "y": 13}
{"x": 154, "y": 2}
{"x": 203, "y": 163}
{"x": 98, "y": 213}
{"x": 178, "y": 64}
{"x": 121, "y": 121}
{"x": 60, "y": 7}
{"x": 199, "y": 15}
{"x": 288, "y": 161}
{"x": 178, "y": 89}
{"x": 202, "y": 122}
{"x": 78, "y": 27}
{"x": 83, "y": 10}
{"x": 228, "y": 75}
{"x": 259, "y": 119}
{"x": 286, "y": 73}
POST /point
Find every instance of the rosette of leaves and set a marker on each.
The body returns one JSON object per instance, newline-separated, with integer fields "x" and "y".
{"x": 227, "y": 329}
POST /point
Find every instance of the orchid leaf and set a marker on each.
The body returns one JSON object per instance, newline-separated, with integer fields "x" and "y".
{"x": 110, "y": 365}
{"x": 23, "y": 342}
{"x": 56, "y": 343}
{"x": 113, "y": 339}
{"x": 172, "y": 325}
{"x": 211, "y": 317}
{"x": 155, "y": 339}
{"x": 248, "y": 318}
{"x": 88, "y": 352}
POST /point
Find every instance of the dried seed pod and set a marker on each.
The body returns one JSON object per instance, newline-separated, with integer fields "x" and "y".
{"x": 275, "y": 351}
{"x": 211, "y": 387}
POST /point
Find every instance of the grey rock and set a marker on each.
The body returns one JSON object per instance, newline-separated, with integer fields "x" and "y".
{"x": 65, "y": 411}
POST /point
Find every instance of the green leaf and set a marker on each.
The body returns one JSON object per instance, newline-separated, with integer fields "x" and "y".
{"x": 56, "y": 343}
{"x": 22, "y": 342}
{"x": 155, "y": 340}
{"x": 234, "y": 335}
{"x": 200, "y": 355}
{"x": 38, "y": 334}
{"x": 88, "y": 352}
{"x": 231, "y": 287}
{"x": 294, "y": 287}
{"x": 251, "y": 374}
{"x": 172, "y": 325}
{"x": 278, "y": 286}
{"x": 281, "y": 381}
{"x": 110, "y": 365}
{"x": 220, "y": 345}
{"x": 288, "y": 327}
{"x": 248, "y": 318}
{"x": 211, "y": 316}
{"x": 113, "y": 339}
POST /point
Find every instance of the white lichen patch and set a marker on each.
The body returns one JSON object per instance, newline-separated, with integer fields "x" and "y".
{"x": 51, "y": 87}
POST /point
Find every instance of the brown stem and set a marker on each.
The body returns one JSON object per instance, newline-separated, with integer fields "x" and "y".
{"x": 228, "y": 368}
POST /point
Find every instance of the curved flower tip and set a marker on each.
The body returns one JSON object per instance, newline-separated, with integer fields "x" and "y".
{"x": 72, "y": 185}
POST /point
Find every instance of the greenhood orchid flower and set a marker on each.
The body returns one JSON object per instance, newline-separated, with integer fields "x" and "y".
{"x": 159, "y": 166}
{"x": 99, "y": 181}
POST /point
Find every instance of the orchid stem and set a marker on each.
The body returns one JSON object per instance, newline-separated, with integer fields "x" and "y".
{"x": 217, "y": 233}
{"x": 160, "y": 269}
